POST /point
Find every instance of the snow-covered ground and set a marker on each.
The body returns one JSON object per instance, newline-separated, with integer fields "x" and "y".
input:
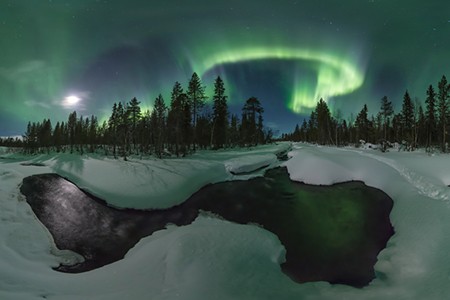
{"x": 216, "y": 259}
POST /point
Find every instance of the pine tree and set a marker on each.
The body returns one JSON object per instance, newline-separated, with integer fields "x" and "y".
{"x": 79, "y": 135}
{"x": 253, "y": 115}
{"x": 159, "y": 110}
{"x": 220, "y": 115}
{"x": 337, "y": 121}
{"x": 146, "y": 131}
{"x": 123, "y": 127}
{"x": 386, "y": 112}
{"x": 244, "y": 130}
{"x": 260, "y": 130}
{"x": 296, "y": 136}
{"x": 113, "y": 124}
{"x": 186, "y": 127}
{"x": 408, "y": 118}
{"x": 362, "y": 124}
{"x": 175, "y": 117}
{"x": 46, "y": 135}
{"x": 92, "y": 133}
{"x": 303, "y": 132}
{"x": 71, "y": 125}
{"x": 345, "y": 134}
{"x": 197, "y": 97}
{"x": 312, "y": 127}
{"x": 57, "y": 137}
{"x": 430, "y": 116}
{"x": 233, "y": 131}
{"x": 397, "y": 127}
{"x": 443, "y": 88}
{"x": 134, "y": 116}
{"x": 64, "y": 136}
{"x": 204, "y": 129}
{"x": 85, "y": 132}
{"x": 379, "y": 127}
{"x": 421, "y": 127}
{"x": 28, "y": 138}
{"x": 323, "y": 122}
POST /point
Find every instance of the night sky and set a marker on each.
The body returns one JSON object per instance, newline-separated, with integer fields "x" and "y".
{"x": 59, "y": 56}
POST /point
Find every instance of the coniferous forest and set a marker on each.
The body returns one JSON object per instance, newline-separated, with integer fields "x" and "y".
{"x": 412, "y": 127}
{"x": 189, "y": 123}
{"x": 186, "y": 124}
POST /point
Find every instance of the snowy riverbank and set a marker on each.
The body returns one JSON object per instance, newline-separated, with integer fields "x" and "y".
{"x": 216, "y": 259}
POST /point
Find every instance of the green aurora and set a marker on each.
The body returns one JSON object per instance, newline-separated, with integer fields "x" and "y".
{"x": 288, "y": 54}
{"x": 336, "y": 76}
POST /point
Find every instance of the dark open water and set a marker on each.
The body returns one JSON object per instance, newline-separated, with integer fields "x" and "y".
{"x": 331, "y": 233}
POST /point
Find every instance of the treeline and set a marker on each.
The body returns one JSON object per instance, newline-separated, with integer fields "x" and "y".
{"x": 186, "y": 124}
{"x": 413, "y": 126}
{"x": 11, "y": 142}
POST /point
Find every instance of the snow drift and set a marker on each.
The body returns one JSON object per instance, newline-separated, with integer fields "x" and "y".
{"x": 215, "y": 259}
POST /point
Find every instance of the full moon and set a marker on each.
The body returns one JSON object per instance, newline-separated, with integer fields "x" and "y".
{"x": 72, "y": 100}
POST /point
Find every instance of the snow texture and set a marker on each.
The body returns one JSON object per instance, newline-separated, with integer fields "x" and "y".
{"x": 216, "y": 259}
{"x": 249, "y": 163}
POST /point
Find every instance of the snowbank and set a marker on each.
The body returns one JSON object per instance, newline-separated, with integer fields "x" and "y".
{"x": 140, "y": 184}
{"x": 215, "y": 259}
{"x": 249, "y": 163}
{"x": 157, "y": 183}
{"x": 415, "y": 264}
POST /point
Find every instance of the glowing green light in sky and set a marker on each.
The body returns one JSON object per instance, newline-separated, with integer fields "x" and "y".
{"x": 336, "y": 74}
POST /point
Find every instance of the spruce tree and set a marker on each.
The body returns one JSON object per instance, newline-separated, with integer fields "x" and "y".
{"x": 408, "y": 118}
{"x": 175, "y": 117}
{"x": 323, "y": 123}
{"x": 28, "y": 138}
{"x": 220, "y": 115}
{"x": 79, "y": 138}
{"x": 113, "y": 125}
{"x": 159, "y": 110}
{"x": 233, "y": 131}
{"x": 197, "y": 97}
{"x": 386, "y": 112}
{"x": 303, "y": 132}
{"x": 46, "y": 135}
{"x": 123, "y": 129}
{"x": 71, "y": 125}
{"x": 430, "y": 116}
{"x": 397, "y": 127}
{"x": 186, "y": 127}
{"x": 362, "y": 124}
{"x": 312, "y": 127}
{"x": 134, "y": 115}
{"x": 443, "y": 88}
{"x": 204, "y": 129}
{"x": 345, "y": 134}
{"x": 57, "y": 137}
{"x": 260, "y": 130}
{"x": 146, "y": 131}
{"x": 296, "y": 136}
{"x": 92, "y": 133}
{"x": 253, "y": 113}
{"x": 421, "y": 126}
{"x": 64, "y": 136}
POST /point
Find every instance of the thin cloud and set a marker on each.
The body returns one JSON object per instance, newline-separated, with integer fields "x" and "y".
{"x": 32, "y": 103}
{"x": 23, "y": 70}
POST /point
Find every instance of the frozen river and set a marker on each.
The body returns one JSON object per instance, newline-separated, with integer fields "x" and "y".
{"x": 331, "y": 233}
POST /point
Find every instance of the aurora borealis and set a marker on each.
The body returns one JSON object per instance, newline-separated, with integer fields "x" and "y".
{"x": 287, "y": 53}
{"x": 334, "y": 76}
